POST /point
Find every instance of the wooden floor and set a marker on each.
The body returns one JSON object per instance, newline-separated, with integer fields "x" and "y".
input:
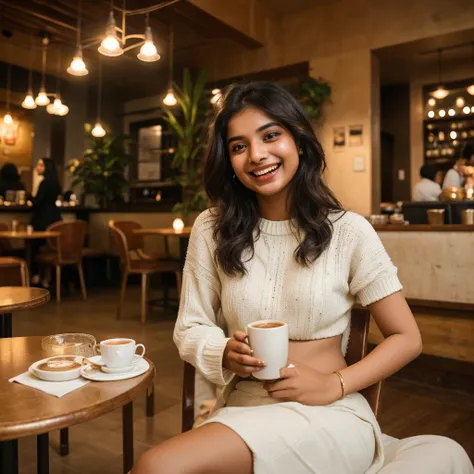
{"x": 407, "y": 409}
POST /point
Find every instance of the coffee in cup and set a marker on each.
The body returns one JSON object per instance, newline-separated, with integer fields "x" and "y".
{"x": 119, "y": 354}
{"x": 269, "y": 342}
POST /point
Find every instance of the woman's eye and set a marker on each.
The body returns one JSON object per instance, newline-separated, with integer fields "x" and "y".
{"x": 272, "y": 135}
{"x": 238, "y": 147}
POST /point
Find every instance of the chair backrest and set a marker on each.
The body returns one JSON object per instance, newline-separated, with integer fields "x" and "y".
{"x": 134, "y": 241}
{"x": 13, "y": 272}
{"x": 71, "y": 240}
{"x": 120, "y": 244}
{"x": 356, "y": 350}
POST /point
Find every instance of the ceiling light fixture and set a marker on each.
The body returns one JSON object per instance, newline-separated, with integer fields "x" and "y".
{"x": 78, "y": 66}
{"x": 110, "y": 45}
{"x": 42, "y": 98}
{"x": 470, "y": 89}
{"x": 57, "y": 107}
{"x": 170, "y": 99}
{"x": 98, "y": 131}
{"x": 29, "y": 101}
{"x": 148, "y": 51}
{"x": 440, "y": 92}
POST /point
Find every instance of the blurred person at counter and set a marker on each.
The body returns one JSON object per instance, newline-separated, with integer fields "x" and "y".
{"x": 428, "y": 189}
{"x": 10, "y": 179}
{"x": 44, "y": 210}
{"x": 455, "y": 176}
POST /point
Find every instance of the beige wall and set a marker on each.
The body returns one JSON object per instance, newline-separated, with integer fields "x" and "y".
{"x": 337, "y": 37}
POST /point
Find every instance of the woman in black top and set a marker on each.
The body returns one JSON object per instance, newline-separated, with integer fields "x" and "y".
{"x": 45, "y": 211}
{"x": 10, "y": 179}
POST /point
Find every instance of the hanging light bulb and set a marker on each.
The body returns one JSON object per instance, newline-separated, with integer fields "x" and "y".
{"x": 431, "y": 101}
{"x": 78, "y": 66}
{"x": 29, "y": 101}
{"x": 110, "y": 45}
{"x": 460, "y": 102}
{"x": 431, "y": 114}
{"x": 442, "y": 113}
{"x": 148, "y": 52}
{"x": 440, "y": 93}
{"x": 467, "y": 110}
{"x": 63, "y": 110}
{"x": 470, "y": 89}
{"x": 451, "y": 112}
{"x": 98, "y": 131}
{"x": 42, "y": 98}
{"x": 7, "y": 119}
{"x": 170, "y": 99}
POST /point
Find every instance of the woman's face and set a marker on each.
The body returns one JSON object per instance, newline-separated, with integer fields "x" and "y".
{"x": 262, "y": 152}
{"x": 40, "y": 167}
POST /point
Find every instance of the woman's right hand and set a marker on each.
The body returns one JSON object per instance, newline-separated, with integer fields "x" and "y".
{"x": 238, "y": 356}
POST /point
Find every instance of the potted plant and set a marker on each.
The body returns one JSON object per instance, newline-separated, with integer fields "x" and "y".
{"x": 312, "y": 93}
{"x": 101, "y": 173}
{"x": 187, "y": 123}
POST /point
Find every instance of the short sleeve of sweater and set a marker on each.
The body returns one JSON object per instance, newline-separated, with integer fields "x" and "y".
{"x": 373, "y": 276}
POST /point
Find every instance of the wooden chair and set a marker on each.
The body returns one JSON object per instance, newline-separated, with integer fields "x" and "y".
{"x": 356, "y": 350}
{"x": 13, "y": 272}
{"x": 68, "y": 252}
{"x": 143, "y": 267}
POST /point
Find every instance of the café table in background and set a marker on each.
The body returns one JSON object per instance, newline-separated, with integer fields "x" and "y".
{"x": 16, "y": 298}
{"x": 29, "y": 412}
{"x": 28, "y": 237}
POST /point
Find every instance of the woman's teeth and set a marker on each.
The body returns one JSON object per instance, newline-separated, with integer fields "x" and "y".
{"x": 265, "y": 171}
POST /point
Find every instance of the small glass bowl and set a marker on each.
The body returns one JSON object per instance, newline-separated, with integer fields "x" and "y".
{"x": 69, "y": 344}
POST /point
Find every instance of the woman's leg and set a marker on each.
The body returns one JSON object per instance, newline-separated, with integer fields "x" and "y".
{"x": 210, "y": 449}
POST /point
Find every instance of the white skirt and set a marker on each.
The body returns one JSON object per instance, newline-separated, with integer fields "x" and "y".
{"x": 291, "y": 438}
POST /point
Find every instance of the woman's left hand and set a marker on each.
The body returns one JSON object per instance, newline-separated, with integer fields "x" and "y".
{"x": 305, "y": 385}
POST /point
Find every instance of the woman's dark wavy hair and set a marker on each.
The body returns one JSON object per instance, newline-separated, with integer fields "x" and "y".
{"x": 51, "y": 174}
{"x": 237, "y": 217}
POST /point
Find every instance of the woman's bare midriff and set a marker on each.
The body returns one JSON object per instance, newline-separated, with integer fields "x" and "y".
{"x": 323, "y": 355}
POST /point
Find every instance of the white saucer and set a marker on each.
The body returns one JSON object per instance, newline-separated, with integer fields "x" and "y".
{"x": 115, "y": 370}
{"x": 90, "y": 373}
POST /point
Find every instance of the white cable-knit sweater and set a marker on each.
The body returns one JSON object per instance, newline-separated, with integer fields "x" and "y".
{"x": 315, "y": 301}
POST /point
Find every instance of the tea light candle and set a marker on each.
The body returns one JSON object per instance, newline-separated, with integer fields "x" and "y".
{"x": 178, "y": 225}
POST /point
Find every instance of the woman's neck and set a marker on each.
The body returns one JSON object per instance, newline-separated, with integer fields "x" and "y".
{"x": 274, "y": 208}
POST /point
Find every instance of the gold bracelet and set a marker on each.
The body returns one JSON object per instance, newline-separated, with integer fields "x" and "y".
{"x": 343, "y": 385}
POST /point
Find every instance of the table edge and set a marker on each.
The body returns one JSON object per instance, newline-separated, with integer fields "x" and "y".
{"x": 40, "y": 426}
{"x": 38, "y": 301}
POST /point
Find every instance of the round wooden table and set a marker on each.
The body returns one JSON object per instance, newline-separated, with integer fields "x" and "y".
{"x": 26, "y": 411}
{"x": 14, "y": 298}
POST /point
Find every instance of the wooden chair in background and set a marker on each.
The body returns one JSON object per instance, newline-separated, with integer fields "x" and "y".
{"x": 67, "y": 250}
{"x": 356, "y": 350}
{"x": 143, "y": 267}
{"x": 13, "y": 272}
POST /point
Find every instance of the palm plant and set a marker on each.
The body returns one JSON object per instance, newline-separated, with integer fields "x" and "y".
{"x": 187, "y": 123}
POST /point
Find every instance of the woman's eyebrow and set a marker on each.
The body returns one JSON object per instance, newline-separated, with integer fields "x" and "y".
{"x": 259, "y": 129}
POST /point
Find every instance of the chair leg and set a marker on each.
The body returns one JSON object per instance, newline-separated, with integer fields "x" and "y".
{"x": 58, "y": 283}
{"x": 123, "y": 287}
{"x": 144, "y": 296}
{"x": 179, "y": 282}
{"x": 82, "y": 281}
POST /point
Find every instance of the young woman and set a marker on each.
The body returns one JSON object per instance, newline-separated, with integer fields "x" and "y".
{"x": 44, "y": 209}
{"x": 279, "y": 246}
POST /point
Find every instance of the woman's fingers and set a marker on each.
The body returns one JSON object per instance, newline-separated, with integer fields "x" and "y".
{"x": 241, "y": 348}
{"x": 247, "y": 360}
{"x": 240, "y": 336}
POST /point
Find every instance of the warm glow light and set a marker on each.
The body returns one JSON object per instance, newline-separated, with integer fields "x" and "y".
{"x": 8, "y": 119}
{"x": 442, "y": 113}
{"x": 216, "y": 97}
{"x": 110, "y": 46}
{"x": 467, "y": 110}
{"x": 451, "y": 112}
{"x": 453, "y": 135}
{"x": 170, "y": 99}
{"x": 217, "y": 91}
{"x": 472, "y": 109}
{"x": 432, "y": 102}
{"x": 78, "y": 66}
{"x": 431, "y": 114}
{"x": 470, "y": 89}
{"x": 63, "y": 110}
{"x": 148, "y": 52}
{"x": 29, "y": 101}
{"x": 440, "y": 93}
{"x": 54, "y": 107}
{"x": 178, "y": 225}
{"x": 460, "y": 102}
{"x": 42, "y": 99}
{"x": 98, "y": 130}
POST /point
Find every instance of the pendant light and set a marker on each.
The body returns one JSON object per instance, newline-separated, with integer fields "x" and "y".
{"x": 29, "y": 101}
{"x": 170, "y": 99}
{"x": 8, "y": 119}
{"x": 470, "y": 89}
{"x": 148, "y": 51}
{"x": 42, "y": 98}
{"x": 440, "y": 92}
{"x": 78, "y": 66}
{"x": 99, "y": 131}
{"x": 57, "y": 107}
{"x": 110, "y": 45}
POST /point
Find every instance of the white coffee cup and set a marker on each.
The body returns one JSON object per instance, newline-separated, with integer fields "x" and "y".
{"x": 120, "y": 352}
{"x": 269, "y": 342}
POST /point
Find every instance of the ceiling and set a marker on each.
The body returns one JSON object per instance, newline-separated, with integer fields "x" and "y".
{"x": 289, "y": 6}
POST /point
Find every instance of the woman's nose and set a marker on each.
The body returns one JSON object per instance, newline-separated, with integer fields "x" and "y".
{"x": 257, "y": 153}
